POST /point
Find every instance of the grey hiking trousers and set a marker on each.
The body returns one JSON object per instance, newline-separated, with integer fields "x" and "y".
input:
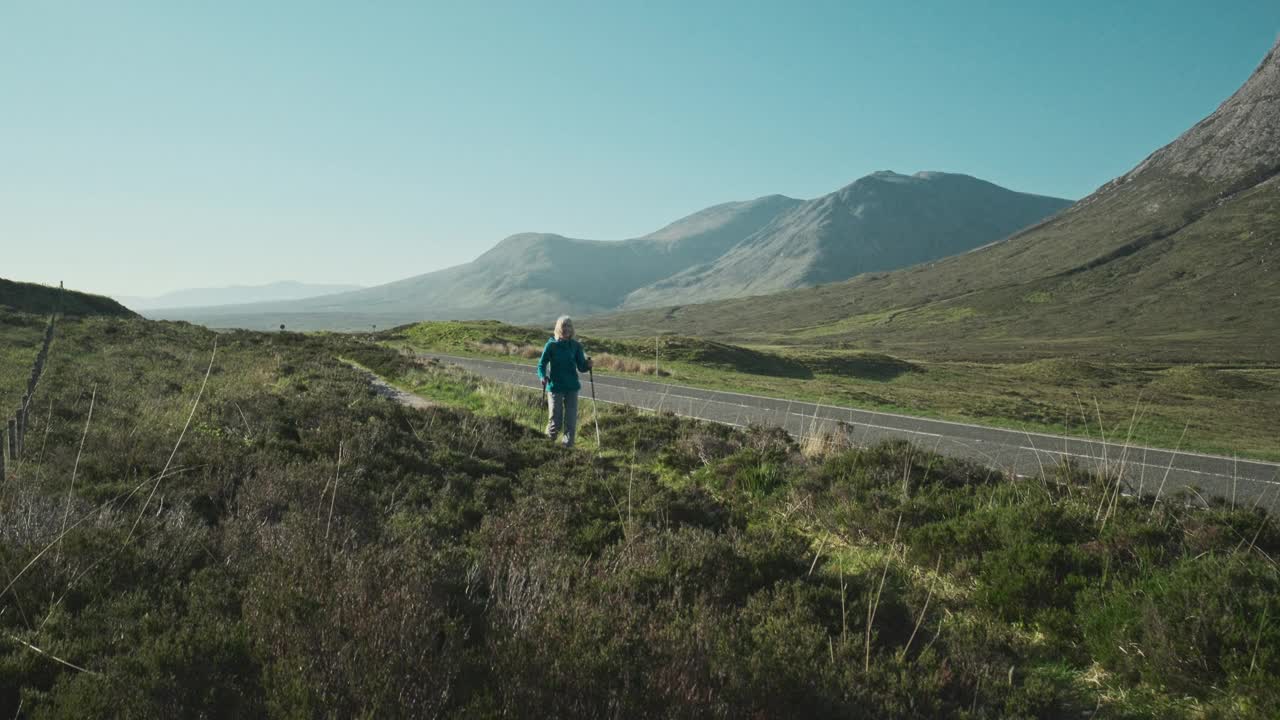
{"x": 563, "y": 409}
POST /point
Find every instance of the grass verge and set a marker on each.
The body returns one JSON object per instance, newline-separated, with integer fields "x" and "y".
{"x": 1212, "y": 409}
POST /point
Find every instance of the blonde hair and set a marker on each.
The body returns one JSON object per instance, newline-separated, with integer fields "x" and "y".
{"x": 564, "y": 327}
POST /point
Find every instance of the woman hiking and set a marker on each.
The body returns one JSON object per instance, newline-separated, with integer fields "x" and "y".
{"x": 562, "y": 360}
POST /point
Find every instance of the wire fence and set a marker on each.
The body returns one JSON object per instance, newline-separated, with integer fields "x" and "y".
{"x": 13, "y": 433}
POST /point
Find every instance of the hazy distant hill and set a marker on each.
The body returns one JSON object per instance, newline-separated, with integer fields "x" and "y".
{"x": 235, "y": 294}
{"x": 771, "y": 243}
{"x": 42, "y": 300}
{"x": 1178, "y": 257}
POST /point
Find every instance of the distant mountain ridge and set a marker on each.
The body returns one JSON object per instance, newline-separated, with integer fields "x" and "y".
{"x": 771, "y": 243}
{"x": 234, "y": 294}
{"x": 1179, "y": 258}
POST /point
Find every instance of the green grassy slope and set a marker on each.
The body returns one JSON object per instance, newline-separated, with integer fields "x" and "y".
{"x": 1174, "y": 261}
{"x": 21, "y": 335}
{"x": 43, "y": 300}
{"x": 1203, "y": 289}
{"x": 315, "y": 549}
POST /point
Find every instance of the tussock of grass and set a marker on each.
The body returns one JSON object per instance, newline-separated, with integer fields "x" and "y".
{"x": 1066, "y": 372}
{"x": 861, "y": 365}
{"x": 1203, "y": 381}
{"x": 505, "y": 348}
{"x": 605, "y": 361}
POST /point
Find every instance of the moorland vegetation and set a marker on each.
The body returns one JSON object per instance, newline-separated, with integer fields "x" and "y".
{"x": 255, "y": 531}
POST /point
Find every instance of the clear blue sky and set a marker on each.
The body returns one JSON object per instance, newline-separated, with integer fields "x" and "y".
{"x": 151, "y": 146}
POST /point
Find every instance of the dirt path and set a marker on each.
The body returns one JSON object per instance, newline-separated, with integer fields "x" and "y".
{"x": 387, "y": 390}
{"x": 391, "y": 392}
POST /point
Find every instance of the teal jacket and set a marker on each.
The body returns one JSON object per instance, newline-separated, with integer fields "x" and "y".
{"x": 565, "y": 360}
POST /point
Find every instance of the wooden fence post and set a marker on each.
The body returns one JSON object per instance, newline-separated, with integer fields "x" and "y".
{"x": 2, "y": 439}
{"x": 22, "y": 426}
{"x": 16, "y": 436}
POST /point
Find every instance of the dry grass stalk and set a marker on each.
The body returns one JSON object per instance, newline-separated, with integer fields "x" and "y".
{"x": 334, "y": 495}
{"x": 906, "y": 482}
{"x": 1168, "y": 469}
{"x": 1102, "y": 433}
{"x": 1253, "y": 661}
{"x": 40, "y": 554}
{"x": 76, "y": 467}
{"x": 833, "y": 438}
{"x": 178, "y": 444}
{"x": 99, "y": 508}
{"x": 821, "y": 544}
{"x": 844, "y": 612}
{"x": 44, "y": 437}
{"x": 1035, "y": 450}
{"x": 920, "y": 620}
{"x": 875, "y": 603}
{"x": 51, "y": 656}
{"x": 1124, "y": 454}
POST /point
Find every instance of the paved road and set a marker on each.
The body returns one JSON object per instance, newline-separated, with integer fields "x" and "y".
{"x": 1147, "y": 470}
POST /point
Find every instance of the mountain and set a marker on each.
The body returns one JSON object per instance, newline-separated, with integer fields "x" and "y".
{"x": 235, "y": 294}
{"x": 883, "y": 221}
{"x": 1178, "y": 258}
{"x": 531, "y": 275}
{"x": 42, "y": 300}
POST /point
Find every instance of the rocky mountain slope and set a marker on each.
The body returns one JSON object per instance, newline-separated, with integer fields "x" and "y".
{"x": 883, "y": 221}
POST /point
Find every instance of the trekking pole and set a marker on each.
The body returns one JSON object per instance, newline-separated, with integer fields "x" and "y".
{"x": 595, "y": 408}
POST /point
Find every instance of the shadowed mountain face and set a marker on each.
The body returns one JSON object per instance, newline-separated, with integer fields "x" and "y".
{"x": 772, "y": 243}
{"x": 1179, "y": 257}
